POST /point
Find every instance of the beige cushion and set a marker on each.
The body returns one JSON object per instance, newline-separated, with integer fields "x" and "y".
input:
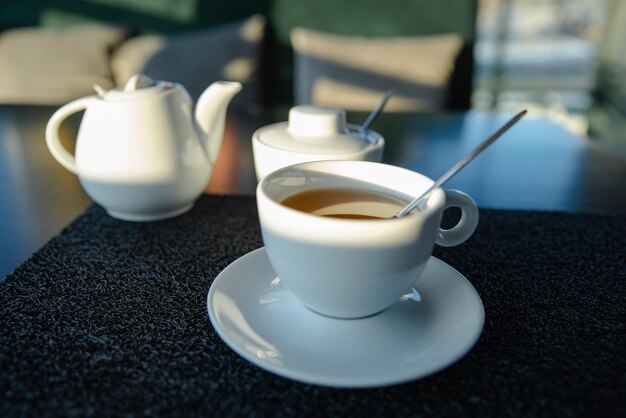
{"x": 54, "y": 66}
{"x": 352, "y": 72}
{"x": 197, "y": 59}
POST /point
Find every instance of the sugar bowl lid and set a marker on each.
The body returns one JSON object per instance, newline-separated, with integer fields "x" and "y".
{"x": 314, "y": 129}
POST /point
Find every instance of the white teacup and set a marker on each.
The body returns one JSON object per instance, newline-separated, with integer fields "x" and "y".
{"x": 350, "y": 268}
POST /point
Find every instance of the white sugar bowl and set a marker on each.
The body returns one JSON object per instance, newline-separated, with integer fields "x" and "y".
{"x": 313, "y": 133}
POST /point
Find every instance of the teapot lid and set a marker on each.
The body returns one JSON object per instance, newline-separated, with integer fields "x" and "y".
{"x": 314, "y": 129}
{"x": 136, "y": 86}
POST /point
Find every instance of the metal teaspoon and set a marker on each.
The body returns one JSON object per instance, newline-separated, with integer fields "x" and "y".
{"x": 374, "y": 114}
{"x": 459, "y": 165}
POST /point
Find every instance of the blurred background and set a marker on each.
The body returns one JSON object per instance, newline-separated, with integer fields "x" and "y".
{"x": 566, "y": 58}
{"x": 562, "y": 58}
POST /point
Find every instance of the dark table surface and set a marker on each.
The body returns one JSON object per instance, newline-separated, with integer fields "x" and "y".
{"x": 538, "y": 165}
{"x": 109, "y": 318}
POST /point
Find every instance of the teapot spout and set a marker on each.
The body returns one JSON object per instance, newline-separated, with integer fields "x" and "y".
{"x": 210, "y": 115}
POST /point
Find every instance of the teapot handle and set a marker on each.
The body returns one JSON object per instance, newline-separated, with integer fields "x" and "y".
{"x": 53, "y": 141}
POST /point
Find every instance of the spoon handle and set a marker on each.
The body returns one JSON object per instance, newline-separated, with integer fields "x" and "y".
{"x": 374, "y": 114}
{"x": 459, "y": 165}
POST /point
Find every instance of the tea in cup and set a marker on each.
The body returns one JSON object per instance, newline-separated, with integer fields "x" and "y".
{"x": 331, "y": 236}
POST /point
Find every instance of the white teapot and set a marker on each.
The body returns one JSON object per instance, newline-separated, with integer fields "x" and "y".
{"x": 313, "y": 133}
{"x": 142, "y": 152}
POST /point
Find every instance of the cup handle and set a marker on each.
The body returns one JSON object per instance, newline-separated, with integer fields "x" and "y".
{"x": 53, "y": 141}
{"x": 467, "y": 224}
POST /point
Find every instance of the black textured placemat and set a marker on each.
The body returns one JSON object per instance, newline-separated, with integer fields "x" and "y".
{"x": 109, "y": 319}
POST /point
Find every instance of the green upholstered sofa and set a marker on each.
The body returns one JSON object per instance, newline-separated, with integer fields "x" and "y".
{"x": 350, "y": 17}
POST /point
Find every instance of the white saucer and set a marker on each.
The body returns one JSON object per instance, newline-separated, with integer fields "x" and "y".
{"x": 427, "y": 330}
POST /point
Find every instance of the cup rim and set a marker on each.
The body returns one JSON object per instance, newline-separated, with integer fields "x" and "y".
{"x": 434, "y": 203}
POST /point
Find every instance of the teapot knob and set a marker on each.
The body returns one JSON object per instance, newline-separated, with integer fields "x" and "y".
{"x": 138, "y": 81}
